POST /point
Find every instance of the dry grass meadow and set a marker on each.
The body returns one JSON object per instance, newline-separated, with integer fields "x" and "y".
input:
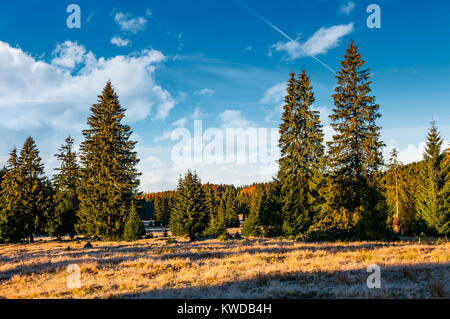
{"x": 255, "y": 268}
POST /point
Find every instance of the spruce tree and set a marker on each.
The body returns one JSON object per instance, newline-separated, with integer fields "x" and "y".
{"x": 301, "y": 147}
{"x": 34, "y": 191}
{"x": 252, "y": 222}
{"x": 109, "y": 178}
{"x": 217, "y": 221}
{"x": 159, "y": 210}
{"x": 355, "y": 153}
{"x": 177, "y": 223}
{"x": 66, "y": 181}
{"x": 393, "y": 178}
{"x": 134, "y": 227}
{"x": 232, "y": 217}
{"x": 168, "y": 209}
{"x": 2, "y": 174}
{"x": 189, "y": 216}
{"x": 12, "y": 213}
{"x": 433, "y": 189}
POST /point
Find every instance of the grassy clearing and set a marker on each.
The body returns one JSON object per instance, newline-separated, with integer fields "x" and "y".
{"x": 256, "y": 268}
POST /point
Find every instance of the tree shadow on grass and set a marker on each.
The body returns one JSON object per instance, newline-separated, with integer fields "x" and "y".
{"x": 410, "y": 281}
{"x": 108, "y": 256}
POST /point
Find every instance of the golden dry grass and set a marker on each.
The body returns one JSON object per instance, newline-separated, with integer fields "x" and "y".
{"x": 256, "y": 268}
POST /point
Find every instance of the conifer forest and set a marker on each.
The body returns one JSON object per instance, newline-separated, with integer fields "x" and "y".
{"x": 340, "y": 205}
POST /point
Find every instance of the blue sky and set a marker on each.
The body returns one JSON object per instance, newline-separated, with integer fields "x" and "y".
{"x": 173, "y": 62}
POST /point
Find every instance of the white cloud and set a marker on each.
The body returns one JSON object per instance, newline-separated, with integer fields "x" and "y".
{"x": 233, "y": 119}
{"x": 180, "y": 122}
{"x": 412, "y": 153}
{"x": 347, "y": 8}
{"x": 197, "y": 114}
{"x": 162, "y": 174}
{"x": 129, "y": 24}
{"x": 320, "y": 42}
{"x": 274, "y": 94}
{"x": 118, "y": 41}
{"x": 205, "y": 92}
{"x": 164, "y": 137}
{"x": 68, "y": 54}
{"x": 35, "y": 93}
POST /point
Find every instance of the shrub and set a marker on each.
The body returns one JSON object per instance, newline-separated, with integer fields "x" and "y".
{"x": 225, "y": 236}
{"x": 238, "y": 235}
{"x": 171, "y": 240}
{"x": 134, "y": 227}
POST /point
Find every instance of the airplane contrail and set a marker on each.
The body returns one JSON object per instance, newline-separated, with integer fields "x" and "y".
{"x": 257, "y": 15}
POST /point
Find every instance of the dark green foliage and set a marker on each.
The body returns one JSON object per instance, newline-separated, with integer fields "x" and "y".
{"x": 189, "y": 216}
{"x": 134, "y": 227}
{"x": 374, "y": 213}
{"x": 301, "y": 148}
{"x": 12, "y": 214}
{"x": 171, "y": 240}
{"x": 231, "y": 209}
{"x": 66, "y": 182}
{"x": 355, "y": 151}
{"x": 433, "y": 197}
{"x": 217, "y": 215}
{"x": 109, "y": 178}
{"x": 264, "y": 218}
{"x": 341, "y": 196}
{"x": 251, "y": 226}
{"x": 26, "y": 197}
{"x": 225, "y": 236}
{"x": 269, "y": 209}
{"x": 34, "y": 189}
{"x": 354, "y": 154}
{"x": 147, "y": 204}
{"x": 161, "y": 211}
{"x": 400, "y": 182}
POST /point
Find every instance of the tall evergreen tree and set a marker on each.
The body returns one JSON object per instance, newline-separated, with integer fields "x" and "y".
{"x": 355, "y": 153}
{"x": 189, "y": 216}
{"x": 301, "y": 147}
{"x": 12, "y": 213}
{"x": 232, "y": 217}
{"x": 159, "y": 210}
{"x": 217, "y": 221}
{"x": 393, "y": 178}
{"x": 66, "y": 182}
{"x": 34, "y": 191}
{"x": 356, "y": 149}
{"x": 109, "y": 178}
{"x": 264, "y": 218}
{"x": 433, "y": 199}
{"x": 252, "y": 222}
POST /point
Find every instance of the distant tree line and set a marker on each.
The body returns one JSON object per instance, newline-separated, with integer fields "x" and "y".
{"x": 220, "y": 200}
